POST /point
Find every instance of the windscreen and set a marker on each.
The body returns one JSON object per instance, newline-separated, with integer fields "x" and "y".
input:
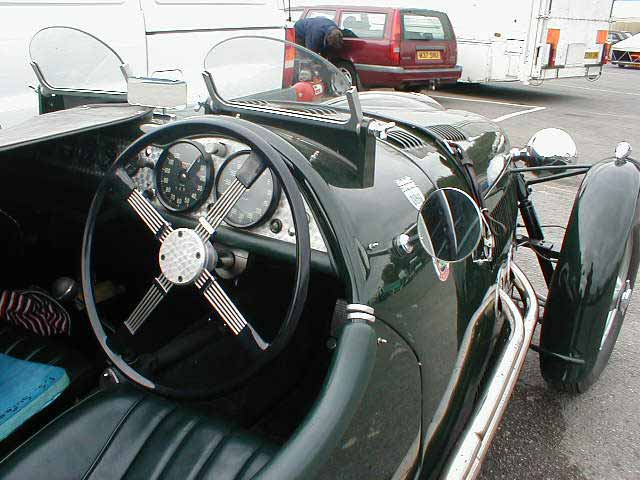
{"x": 70, "y": 59}
{"x": 267, "y": 72}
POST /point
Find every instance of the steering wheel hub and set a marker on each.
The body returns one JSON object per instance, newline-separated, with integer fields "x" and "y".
{"x": 183, "y": 256}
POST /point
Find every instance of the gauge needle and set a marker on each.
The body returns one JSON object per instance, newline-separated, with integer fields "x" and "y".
{"x": 192, "y": 165}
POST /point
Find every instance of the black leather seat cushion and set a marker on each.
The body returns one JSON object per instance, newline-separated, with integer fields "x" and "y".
{"x": 125, "y": 433}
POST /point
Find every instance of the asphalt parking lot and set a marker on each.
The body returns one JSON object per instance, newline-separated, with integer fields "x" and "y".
{"x": 544, "y": 434}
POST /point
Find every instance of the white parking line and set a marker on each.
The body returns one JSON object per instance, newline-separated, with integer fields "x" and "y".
{"x": 517, "y": 114}
{"x": 599, "y": 90}
{"x": 530, "y": 108}
{"x": 478, "y": 100}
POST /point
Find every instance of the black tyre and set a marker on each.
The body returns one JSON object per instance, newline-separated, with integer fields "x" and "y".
{"x": 620, "y": 65}
{"x": 579, "y": 378}
{"x": 350, "y": 72}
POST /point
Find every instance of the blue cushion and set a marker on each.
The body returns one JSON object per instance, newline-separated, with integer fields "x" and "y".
{"x": 25, "y": 389}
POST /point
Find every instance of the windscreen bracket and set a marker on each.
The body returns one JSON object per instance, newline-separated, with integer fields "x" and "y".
{"x": 352, "y": 139}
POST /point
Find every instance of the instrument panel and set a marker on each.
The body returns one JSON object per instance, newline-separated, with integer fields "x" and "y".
{"x": 184, "y": 176}
{"x": 187, "y": 177}
{"x": 258, "y": 203}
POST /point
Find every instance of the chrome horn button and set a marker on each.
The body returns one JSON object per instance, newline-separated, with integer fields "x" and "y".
{"x": 182, "y": 256}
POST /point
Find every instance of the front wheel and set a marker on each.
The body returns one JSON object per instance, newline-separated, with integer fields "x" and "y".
{"x": 579, "y": 377}
{"x": 593, "y": 280}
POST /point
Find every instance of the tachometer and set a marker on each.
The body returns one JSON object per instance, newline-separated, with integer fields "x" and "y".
{"x": 257, "y": 203}
{"x": 184, "y": 176}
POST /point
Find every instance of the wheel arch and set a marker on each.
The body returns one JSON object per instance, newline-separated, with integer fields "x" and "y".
{"x": 605, "y": 212}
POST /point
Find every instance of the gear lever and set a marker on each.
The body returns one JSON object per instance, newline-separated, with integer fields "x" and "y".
{"x": 65, "y": 290}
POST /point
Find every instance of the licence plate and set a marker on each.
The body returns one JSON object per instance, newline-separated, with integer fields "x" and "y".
{"x": 591, "y": 55}
{"x": 429, "y": 55}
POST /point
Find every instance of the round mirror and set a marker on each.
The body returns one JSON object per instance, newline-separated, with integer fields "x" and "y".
{"x": 551, "y": 147}
{"x": 449, "y": 225}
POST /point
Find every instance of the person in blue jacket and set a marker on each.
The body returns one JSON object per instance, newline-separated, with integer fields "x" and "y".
{"x": 318, "y": 35}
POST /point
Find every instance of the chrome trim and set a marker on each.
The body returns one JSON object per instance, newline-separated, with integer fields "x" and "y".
{"x": 156, "y": 293}
{"x": 466, "y": 460}
{"x": 401, "y": 70}
{"x": 361, "y": 316}
{"x": 149, "y": 215}
{"x": 360, "y": 313}
{"x": 358, "y": 307}
{"x": 206, "y": 226}
{"x": 219, "y": 300}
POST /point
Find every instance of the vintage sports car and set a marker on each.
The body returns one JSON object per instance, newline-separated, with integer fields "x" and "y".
{"x": 294, "y": 280}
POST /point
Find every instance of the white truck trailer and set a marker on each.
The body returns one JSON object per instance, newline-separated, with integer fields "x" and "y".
{"x": 519, "y": 40}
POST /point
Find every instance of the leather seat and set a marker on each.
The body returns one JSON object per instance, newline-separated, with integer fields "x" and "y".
{"x": 125, "y": 433}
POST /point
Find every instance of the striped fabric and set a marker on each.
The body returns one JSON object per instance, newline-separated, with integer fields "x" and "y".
{"x": 34, "y": 311}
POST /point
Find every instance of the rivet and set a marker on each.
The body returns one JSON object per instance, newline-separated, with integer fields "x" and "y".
{"x": 162, "y": 257}
{"x": 179, "y": 278}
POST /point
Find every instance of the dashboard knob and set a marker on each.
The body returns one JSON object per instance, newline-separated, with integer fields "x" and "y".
{"x": 218, "y": 149}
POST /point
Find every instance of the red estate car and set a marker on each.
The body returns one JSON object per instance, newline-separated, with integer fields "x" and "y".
{"x": 393, "y": 47}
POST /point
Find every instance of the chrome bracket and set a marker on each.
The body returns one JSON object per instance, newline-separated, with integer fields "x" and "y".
{"x": 488, "y": 241}
{"x": 379, "y": 129}
{"x": 357, "y": 312}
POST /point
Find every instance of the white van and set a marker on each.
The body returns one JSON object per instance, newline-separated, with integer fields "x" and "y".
{"x": 150, "y": 35}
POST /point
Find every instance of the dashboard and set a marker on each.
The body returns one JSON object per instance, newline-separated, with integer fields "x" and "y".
{"x": 187, "y": 176}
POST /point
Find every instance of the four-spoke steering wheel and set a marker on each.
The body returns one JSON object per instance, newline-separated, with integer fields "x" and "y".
{"x": 187, "y": 256}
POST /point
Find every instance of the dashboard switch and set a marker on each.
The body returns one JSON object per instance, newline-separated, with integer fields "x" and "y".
{"x": 275, "y": 226}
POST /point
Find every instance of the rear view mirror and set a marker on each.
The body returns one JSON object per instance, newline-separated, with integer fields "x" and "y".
{"x": 156, "y": 92}
{"x": 449, "y": 225}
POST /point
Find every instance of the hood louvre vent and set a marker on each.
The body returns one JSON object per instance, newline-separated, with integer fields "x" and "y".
{"x": 408, "y": 142}
{"x": 404, "y": 139}
{"x": 256, "y": 103}
{"x": 448, "y": 132}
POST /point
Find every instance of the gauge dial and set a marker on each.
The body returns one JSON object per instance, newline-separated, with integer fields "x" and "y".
{"x": 184, "y": 176}
{"x": 257, "y": 203}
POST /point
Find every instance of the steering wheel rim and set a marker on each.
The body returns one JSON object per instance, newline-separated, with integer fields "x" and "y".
{"x": 166, "y": 134}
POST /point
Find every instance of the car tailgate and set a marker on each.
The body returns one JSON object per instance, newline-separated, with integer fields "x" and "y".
{"x": 427, "y": 40}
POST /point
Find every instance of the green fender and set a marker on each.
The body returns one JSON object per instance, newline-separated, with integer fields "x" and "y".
{"x": 604, "y": 215}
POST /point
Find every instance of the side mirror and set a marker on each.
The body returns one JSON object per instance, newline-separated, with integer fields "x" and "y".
{"x": 449, "y": 225}
{"x": 156, "y": 92}
{"x": 550, "y": 147}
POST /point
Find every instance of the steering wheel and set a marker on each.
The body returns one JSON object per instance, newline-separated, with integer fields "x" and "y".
{"x": 187, "y": 257}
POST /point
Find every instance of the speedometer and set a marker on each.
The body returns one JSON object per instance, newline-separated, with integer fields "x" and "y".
{"x": 184, "y": 176}
{"x": 257, "y": 203}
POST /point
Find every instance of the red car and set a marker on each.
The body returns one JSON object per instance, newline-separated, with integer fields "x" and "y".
{"x": 393, "y": 47}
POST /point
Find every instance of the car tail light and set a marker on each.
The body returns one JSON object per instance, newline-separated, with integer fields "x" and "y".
{"x": 553, "y": 38}
{"x": 289, "y": 57}
{"x": 396, "y": 39}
